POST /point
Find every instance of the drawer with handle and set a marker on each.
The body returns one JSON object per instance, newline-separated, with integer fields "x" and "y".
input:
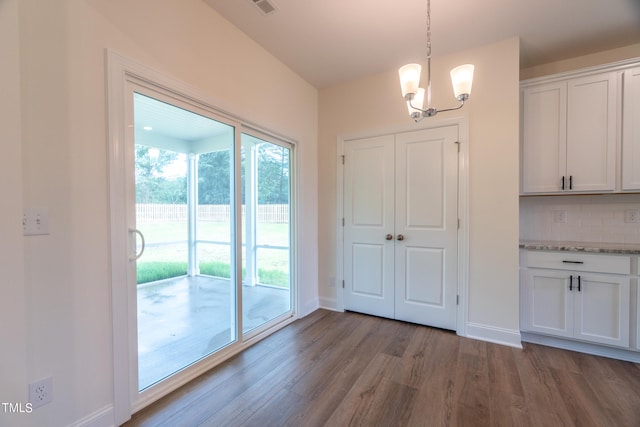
{"x": 580, "y": 261}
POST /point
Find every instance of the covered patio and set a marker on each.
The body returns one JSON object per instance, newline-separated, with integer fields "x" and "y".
{"x": 183, "y": 319}
{"x": 189, "y": 168}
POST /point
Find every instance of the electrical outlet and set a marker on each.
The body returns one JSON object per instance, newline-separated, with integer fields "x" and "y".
{"x": 41, "y": 392}
{"x": 35, "y": 222}
{"x": 560, "y": 216}
{"x": 631, "y": 216}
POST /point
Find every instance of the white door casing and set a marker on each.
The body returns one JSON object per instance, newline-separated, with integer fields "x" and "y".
{"x": 400, "y": 228}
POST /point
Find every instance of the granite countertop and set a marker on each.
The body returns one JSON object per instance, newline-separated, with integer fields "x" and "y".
{"x": 595, "y": 247}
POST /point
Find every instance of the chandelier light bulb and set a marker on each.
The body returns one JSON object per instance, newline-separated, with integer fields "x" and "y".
{"x": 409, "y": 79}
{"x": 415, "y": 105}
{"x": 462, "y": 80}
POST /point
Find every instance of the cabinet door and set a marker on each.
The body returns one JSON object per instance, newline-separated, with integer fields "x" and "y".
{"x": 602, "y": 309}
{"x": 549, "y": 303}
{"x": 631, "y": 131}
{"x": 591, "y": 133}
{"x": 544, "y": 137}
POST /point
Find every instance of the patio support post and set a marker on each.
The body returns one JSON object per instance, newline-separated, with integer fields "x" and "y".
{"x": 192, "y": 214}
{"x": 251, "y": 207}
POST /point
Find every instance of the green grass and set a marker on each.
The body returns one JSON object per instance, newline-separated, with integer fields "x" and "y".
{"x": 170, "y": 260}
{"x": 160, "y": 270}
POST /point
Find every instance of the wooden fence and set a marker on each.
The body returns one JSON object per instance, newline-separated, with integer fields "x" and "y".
{"x": 158, "y": 213}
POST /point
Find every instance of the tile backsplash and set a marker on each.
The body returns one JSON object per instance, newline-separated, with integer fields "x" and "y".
{"x": 576, "y": 218}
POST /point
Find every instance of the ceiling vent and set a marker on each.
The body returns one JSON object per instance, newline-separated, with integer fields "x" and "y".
{"x": 266, "y": 7}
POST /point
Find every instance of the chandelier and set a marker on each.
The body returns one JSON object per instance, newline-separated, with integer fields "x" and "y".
{"x": 461, "y": 78}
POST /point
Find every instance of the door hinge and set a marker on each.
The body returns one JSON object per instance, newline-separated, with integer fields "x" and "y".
{"x": 458, "y": 223}
{"x": 342, "y": 159}
{"x": 343, "y": 284}
{"x": 457, "y": 299}
{"x": 343, "y": 222}
{"x": 458, "y": 144}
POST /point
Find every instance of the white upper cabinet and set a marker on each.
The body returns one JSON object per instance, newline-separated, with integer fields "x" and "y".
{"x": 591, "y": 133}
{"x": 569, "y": 135}
{"x": 631, "y": 130}
{"x": 544, "y": 136}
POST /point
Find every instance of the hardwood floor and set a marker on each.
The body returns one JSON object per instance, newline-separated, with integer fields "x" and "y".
{"x": 339, "y": 369}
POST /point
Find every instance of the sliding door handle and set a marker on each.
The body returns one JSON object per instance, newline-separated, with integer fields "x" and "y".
{"x": 139, "y": 233}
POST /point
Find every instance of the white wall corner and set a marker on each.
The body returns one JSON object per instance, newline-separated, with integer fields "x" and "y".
{"x": 309, "y": 307}
{"x": 495, "y": 335}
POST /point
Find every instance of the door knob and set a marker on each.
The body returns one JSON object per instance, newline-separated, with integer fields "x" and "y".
{"x": 400, "y": 237}
{"x": 388, "y": 237}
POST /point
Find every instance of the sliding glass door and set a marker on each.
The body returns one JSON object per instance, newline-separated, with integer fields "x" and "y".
{"x": 211, "y": 234}
{"x": 267, "y": 231}
{"x": 184, "y": 210}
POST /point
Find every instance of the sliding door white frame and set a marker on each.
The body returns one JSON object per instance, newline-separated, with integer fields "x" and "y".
{"x": 123, "y": 74}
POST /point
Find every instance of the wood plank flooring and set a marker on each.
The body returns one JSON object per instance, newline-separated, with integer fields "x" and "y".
{"x": 348, "y": 369}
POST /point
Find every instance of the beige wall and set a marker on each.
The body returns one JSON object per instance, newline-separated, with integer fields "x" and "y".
{"x": 375, "y": 103}
{"x": 613, "y": 55}
{"x": 64, "y": 167}
{"x": 13, "y": 350}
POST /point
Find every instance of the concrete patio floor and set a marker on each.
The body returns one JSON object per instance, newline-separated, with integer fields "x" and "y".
{"x": 182, "y": 320}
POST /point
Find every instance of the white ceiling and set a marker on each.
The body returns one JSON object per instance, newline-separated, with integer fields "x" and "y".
{"x": 332, "y": 41}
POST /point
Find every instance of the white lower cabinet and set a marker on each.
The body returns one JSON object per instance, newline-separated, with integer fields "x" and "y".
{"x": 569, "y": 301}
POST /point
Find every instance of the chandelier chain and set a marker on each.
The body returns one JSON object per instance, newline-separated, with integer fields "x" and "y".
{"x": 428, "y": 28}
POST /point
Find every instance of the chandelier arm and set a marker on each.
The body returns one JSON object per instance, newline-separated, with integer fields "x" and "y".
{"x": 453, "y": 108}
{"x": 430, "y": 111}
{"x": 433, "y": 111}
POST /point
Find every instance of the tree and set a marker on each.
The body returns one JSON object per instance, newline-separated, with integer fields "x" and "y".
{"x": 154, "y": 184}
{"x": 273, "y": 174}
{"x": 214, "y": 178}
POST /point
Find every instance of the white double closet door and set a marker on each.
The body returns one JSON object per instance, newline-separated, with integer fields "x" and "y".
{"x": 401, "y": 226}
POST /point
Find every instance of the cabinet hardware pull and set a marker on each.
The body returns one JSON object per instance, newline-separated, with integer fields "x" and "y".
{"x": 571, "y": 282}
{"x": 579, "y": 290}
{"x": 570, "y": 182}
{"x": 388, "y": 237}
{"x": 400, "y": 237}
{"x": 563, "y": 182}
{"x": 573, "y": 262}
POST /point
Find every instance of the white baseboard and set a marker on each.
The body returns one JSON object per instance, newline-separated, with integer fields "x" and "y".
{"x": 329, "y": 303}
{"x": 583, "y": 347}
{"x": 308, "y": 307}
{"x": 495, "y": 335}
{"x": 100, "y": 418}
